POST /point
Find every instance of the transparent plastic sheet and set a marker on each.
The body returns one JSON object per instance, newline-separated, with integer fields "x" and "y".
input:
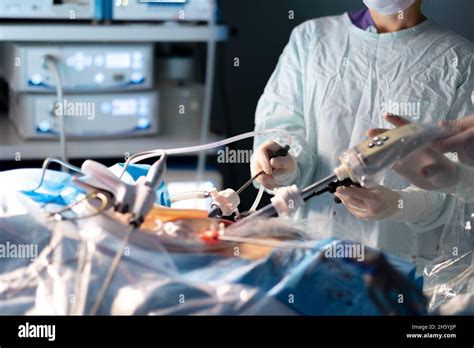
{"x": 26, "y": 240}
{"x": 282, "y": 228}
{"x": 366, "y": 165}
{"x": 75, "y": 256}
{"x": 153, "y": 281}
{"x": 250, "y": 284}
{"x": 67, "y": 275}
{"x": 449, "y": 279}
{"x": 76, "y": 275}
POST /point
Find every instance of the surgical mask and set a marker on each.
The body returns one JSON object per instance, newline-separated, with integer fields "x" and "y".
{"x": 388, "y": 7}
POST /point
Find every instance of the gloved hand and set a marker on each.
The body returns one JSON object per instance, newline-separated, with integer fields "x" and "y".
{"x": 278, "y": 170}
{"x": 426, "y": 168}
{"x": 461, "y": 142}
{"x": 369, "y": 204}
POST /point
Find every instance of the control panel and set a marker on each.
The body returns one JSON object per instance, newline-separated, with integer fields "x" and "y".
{"x": 83, "y": 68}
{"x": 86, "y": 115}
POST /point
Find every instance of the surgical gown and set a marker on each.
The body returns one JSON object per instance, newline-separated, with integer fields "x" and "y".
{"x": 334, "y": 81}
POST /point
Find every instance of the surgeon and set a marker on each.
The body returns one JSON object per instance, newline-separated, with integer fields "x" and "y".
{"x": 335, "y": 79}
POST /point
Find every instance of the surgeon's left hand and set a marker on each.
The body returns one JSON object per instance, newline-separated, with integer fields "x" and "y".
{"x": 369, "y": 204}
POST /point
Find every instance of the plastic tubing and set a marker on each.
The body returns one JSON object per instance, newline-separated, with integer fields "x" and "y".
{"x": 52, "y": 65}
{"x": 177, "y": 151}
{"x": 257, "y": 199}
{"x": 189, "y": 195}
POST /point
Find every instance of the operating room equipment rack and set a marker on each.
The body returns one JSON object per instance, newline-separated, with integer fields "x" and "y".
{"x": 12, "y": 145}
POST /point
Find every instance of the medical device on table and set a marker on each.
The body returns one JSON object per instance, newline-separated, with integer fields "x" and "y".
{"x": 50, "y": 9}
{"x": 135, "y": 200}
{"x": 85, "y": 68}
{"x": 92, "y": 115}
{"x": 120, "y": 10}
{"x": 163, "y": 10}
{"x": 68, "y": 76}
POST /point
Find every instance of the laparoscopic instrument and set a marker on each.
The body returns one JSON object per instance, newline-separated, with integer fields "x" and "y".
{"x": 362, "y": 165}
{"x": 136, "y": 200}
{"x": 221, "y": 203}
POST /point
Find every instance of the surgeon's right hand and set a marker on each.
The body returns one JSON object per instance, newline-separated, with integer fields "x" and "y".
{"x": 277, "y": 171}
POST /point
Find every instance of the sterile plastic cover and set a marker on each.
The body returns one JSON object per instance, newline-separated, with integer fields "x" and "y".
{"x": 66, "y": 279}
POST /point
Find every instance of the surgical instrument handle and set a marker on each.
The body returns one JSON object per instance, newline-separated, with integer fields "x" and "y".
{"x": 315, "y": 189}
{"x": 144, "y": 191}
{"x": 366, "y": 162}
{"x": 99, "y": 172}
{"x": 280, "y": 153}
{"x": 156, "y": 172}
{"x": 216, "y": 210}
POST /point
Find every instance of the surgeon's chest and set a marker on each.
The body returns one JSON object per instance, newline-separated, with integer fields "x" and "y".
{"x": 359, "y": 83}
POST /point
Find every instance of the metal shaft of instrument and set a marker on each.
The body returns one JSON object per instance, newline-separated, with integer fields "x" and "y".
{"x": 309, "y": 192}
{"x": 318, "y": 187}
{"x": 248, "y": 183}
{"x": 280, "y": 153}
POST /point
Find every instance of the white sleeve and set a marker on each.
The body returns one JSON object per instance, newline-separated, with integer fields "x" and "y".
{"x": 463, "y": 104}
{"x": 282, "y": 105}
{"x": 423, "y": 210}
